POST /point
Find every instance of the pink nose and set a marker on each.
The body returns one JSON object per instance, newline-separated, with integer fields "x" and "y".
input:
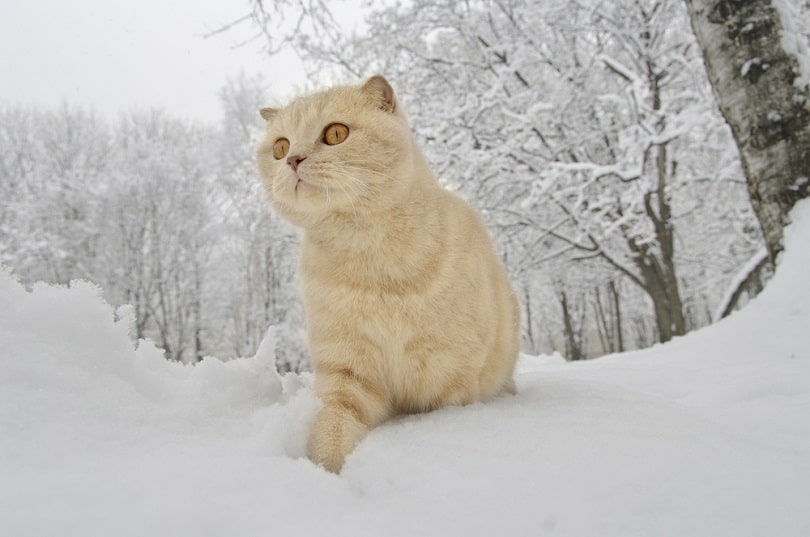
{"x": 294, "y": 161}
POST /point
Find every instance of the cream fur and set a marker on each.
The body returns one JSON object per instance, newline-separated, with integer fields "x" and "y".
{"x": 408, "y": 307}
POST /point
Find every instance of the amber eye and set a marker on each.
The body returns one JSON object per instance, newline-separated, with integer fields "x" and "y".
{"x": 281, "y": 148}
{"x": 335, "y": 134}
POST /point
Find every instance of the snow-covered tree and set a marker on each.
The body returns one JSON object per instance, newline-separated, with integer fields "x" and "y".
{"x": 166, "y": 215}
{"x": 262, "y": 250}
{"x": 51, "y": 166}
{"x": 158, "y": 230}
{"x": 583, "y": 130}
{"x": 756, "y": 54}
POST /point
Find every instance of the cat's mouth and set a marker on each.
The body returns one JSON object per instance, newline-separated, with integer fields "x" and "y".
{"x": 301, "y": 185}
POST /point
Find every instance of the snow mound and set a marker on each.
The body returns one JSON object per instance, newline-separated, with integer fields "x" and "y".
{"x": 89, "y": 425}
{"x": 66, "y": 351}
{"x": 706, "y": 435}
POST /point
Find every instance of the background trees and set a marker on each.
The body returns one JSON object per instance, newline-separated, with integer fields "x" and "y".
{"x": 164, "y": 215}
{"x": 260, "y": 249}
{"x": 584, "y": 131}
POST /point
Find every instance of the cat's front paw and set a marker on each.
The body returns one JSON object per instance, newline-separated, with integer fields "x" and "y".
{"x": 335, "y": 432}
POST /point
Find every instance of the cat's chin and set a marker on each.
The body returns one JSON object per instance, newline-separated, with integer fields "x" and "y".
{"x": 298, "y": 193}
{"x": 304, "y": 207}
{"x": 295, "y": 215}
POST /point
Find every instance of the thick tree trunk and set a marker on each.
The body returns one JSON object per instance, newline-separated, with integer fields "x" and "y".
{"x": 668, "y": 309}
{"x": 608, "y": 318}
{"x": 656, "y": 266}
{"x": 759, "y": 91}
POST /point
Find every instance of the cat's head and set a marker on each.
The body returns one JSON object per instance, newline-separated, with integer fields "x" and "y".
{"x": 340, "y": 152}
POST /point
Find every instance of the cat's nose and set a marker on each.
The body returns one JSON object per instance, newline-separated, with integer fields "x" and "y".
{"x": 294, "y": 161}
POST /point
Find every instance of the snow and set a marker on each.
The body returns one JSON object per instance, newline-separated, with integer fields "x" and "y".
{"x": 752, "y": 62}
{"x": 794, "y": 38}
{"x": 706, "y": 435}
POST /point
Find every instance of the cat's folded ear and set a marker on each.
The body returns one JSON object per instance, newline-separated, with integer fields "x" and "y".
{"x": 268, "y": 113}
{"x": 379, "y": 88}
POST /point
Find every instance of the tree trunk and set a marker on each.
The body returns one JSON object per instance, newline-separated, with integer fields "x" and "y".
{"x": 196, "y": 306}
{"x": 656, "y": 265}
{"x": 757, "y": 84}
{"x": 603, "y": 328}
{"x": 573, "y": 334}
{"x": 613, "y": 293}
{"x": 608, "y": 318}
{"x": 527, "y": 304}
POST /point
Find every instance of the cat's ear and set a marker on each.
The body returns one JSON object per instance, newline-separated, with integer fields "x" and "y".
{"x": 382, "y": 91}
{"x": 268, "y": 113}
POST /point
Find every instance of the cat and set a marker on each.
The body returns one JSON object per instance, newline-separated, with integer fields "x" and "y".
{"x": 408, "y": 307}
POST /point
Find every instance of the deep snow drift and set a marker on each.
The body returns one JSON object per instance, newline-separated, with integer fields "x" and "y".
{"x": 707, "y": 435}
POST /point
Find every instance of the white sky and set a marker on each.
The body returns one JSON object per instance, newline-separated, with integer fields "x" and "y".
{"x": 118, "y": 55}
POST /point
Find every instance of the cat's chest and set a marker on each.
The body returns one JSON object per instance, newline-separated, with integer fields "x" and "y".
{"x": 373, "y": 299}
{"x": 392, "y": 270}
{"x": 386, "y": 296}
{"x": 362, "y": 294}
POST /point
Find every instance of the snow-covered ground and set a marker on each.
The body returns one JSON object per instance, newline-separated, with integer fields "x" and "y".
{"x": 706, "y": 436}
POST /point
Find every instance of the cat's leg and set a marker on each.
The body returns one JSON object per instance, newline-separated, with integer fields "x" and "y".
{"x": 352, "y": 405}
{"x": 509, "y": 386}
{"x": 437, "y": 375}
{"x": 464, "y": 386}
{"x": 497, "y": 375}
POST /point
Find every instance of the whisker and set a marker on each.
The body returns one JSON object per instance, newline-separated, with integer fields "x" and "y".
{"x": 361, "y": 190}
{"x": 351, "y": 201}
{"x": 370, "y": 171}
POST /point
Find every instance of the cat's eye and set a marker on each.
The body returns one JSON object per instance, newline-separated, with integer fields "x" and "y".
{"x": 336, "y": 133}
{"x": 281, "y": 148}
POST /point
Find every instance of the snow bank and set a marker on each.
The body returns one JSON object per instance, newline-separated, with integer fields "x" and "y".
{"x": 706, "y": 435}
{"x": 94, "y": 433}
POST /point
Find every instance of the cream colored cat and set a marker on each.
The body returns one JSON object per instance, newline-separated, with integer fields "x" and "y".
{"x": 408, "y": 307}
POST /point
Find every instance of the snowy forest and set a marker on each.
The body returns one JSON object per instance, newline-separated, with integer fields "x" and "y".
{"x": 164, "y": 214}
{"x": 586, "y": 132}
{"x": 642, "y": 165}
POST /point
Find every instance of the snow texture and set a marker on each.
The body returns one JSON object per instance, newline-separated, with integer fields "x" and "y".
{"x": 794, "y": 38}
{"x": 706, "y": 435}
